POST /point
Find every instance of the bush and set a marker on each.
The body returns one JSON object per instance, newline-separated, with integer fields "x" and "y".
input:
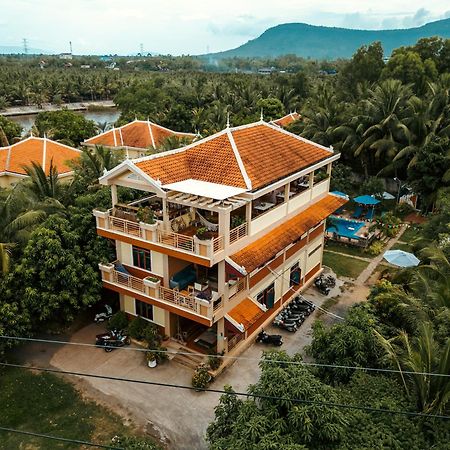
{"x": 134, "y": 443}
{"x": 137, "y": 328}
{"x": 151, "y": 335}
{"x": 201, "y": 377}
{"x": 375, "y": 249}
{"x": 403, "y": 209}
{"x": 118, "y": 321}
{"x": 214, "y": 361}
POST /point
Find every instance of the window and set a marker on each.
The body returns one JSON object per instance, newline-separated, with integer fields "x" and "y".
{"x": 143, "y": 309}
{"x": 295, "y": 276}
{"x": 141, "y": 258}
{"x": 267, "y": 296}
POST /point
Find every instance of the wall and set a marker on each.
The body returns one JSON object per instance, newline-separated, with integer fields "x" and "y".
{"x": 129, "y": 307}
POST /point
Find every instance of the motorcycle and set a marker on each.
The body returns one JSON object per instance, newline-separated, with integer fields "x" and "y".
{"x": 294, "y": 316}
{"x": 114, "y": 338}
{"x": 274, "y": 339}
{"x": 322, "y": 285}
{"x": 104, "y": 315}
{"x": 284, "y": 324}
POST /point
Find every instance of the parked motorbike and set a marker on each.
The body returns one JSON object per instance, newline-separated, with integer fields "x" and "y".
{"x": 284, "y": 324}
{"x": 274, "y": 339}
{"x": 301, "y": 308}
{"x": 323, "y": 285}
{"x": 287, "y": 315}
{"x": 104, "y": 315}
{"x": 114, "y": 338}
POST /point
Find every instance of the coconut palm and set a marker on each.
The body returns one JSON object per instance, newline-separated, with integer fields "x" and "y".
{"x": 41, "y": 185}
{"x": 422, "y": 356}
{"x": 94, "y": 161}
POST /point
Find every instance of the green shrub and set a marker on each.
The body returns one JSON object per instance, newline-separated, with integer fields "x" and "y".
{"x": 375, "y": 249}
{"x": 201, "y": 377}
{"x": 118, "y": 321}
{"x": 403, "y": 209}
{"x": 137, "y": 328}
{"x": 151, "y": 335}
{"x": 214, "y": 361}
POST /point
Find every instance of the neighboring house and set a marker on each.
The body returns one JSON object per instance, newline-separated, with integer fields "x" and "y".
{"x": 35, "y": 149}
{"x": 287, "y": 119}
{"x": 238, "y": 230}
{"x": 136, "y": 137}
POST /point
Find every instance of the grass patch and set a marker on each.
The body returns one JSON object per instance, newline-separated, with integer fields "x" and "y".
{"x": 344, "y": 266}
{"x": 45, "y": 403}
{"x": 327, "y": 305}
{"x": 347, "y": 249}
{"x": 402, "y": 246}
{"x": 410, "y": 234}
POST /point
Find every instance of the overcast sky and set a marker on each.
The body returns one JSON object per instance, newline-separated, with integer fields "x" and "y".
{"x": 190, "y": 27}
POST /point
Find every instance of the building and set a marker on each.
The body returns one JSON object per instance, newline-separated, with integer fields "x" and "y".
{"x": 65, "y": 56}
{"x": 287, "y": 119}
{"x": 228, "y": 230}
{"x": 136, "y": 137}
{"x": 15, "y": 157}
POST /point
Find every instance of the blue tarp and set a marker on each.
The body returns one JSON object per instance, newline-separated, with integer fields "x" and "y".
{"x": 366, "y": 200}
{"x": 400, "y": 258}
{"x": 339, "y": 193}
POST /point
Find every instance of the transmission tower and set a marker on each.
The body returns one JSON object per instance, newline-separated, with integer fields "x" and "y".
{"x": 25, "y": 46}
{"x": 141, "y": 46}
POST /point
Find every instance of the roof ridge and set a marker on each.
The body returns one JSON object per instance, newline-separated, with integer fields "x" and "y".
{"x": 37, "y": 138}
{"x": 149, "y": 126}
{"x": 239, "y": 161}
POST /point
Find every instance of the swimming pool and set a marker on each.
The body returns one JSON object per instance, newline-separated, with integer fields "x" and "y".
{"x": 345, "y": 228}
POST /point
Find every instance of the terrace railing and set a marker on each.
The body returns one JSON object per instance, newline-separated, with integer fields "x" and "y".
{"x": 239, "y": 232}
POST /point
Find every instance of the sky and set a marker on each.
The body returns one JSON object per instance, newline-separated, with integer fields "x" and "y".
{"x": 190, "y": 27}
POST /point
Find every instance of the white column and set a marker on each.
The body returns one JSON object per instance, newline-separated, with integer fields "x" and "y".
{"x": 224, "y": 226}
{"x": 248, "y": 217}
{"x": 114, "y": 198}
{"x": 220, "y": 335}
{"x": 166, "y": 219}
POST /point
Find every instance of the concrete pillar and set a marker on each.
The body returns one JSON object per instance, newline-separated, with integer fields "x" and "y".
{"x": 221, "y": 277}
{"x": 114, "y": 198}
{"x": 221, "y": 335}
{"x": 329, "y": 166}
{"x": 167, "y": 323}
{"x": 224, "y": 226}
{"x": 248, "y": 217}
{"x": 166, "y": 219}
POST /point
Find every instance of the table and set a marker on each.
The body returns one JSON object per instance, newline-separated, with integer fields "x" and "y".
{"x": 264, "y": 206}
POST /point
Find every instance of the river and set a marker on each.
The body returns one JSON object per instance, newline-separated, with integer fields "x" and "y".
{"x": 109, "y": 115}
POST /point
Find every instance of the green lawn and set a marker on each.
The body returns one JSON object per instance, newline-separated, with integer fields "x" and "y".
{"x": 344, "y": 266}
{"x": 45, "y": 403}
{"x": 401, "y": 246}
{"x": 410, "y": 234}
{"x": 347, "y": 249}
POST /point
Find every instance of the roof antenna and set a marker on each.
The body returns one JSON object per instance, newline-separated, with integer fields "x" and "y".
{"x": 262, "y": 115}
{"x": 228, "y": 119}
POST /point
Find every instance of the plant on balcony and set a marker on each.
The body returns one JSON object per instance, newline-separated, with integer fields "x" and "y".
{"x": 146, "y": 215}
{"x": 118, "y": 321}
{"x": 153, "y": 279}
{"x": 201, "y": 377}
{"x": 320, "y": 176}
{"x": 237, "y": 221}
{"x": 203, "y": 233}
{"x": 152, "y": 358}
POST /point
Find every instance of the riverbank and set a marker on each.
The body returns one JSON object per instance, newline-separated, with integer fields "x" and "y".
{"x": 77, "y": 106}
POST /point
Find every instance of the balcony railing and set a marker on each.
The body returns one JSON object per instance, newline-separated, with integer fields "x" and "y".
{"x": 155, "y": 233}
{"x": 153, "y": 289}
{"x": 238, "y": 232}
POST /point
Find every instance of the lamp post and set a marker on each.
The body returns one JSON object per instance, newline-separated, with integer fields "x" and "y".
{"x": 399, "y": 187}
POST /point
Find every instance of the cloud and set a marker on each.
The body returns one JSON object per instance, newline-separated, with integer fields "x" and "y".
{"x": 243, "y": 25}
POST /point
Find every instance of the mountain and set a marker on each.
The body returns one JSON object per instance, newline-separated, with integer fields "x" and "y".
{"x": 317, "y": 42}
{"x": 14, "y": 49}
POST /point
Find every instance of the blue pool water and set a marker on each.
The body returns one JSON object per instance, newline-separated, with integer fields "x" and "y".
{"x": 345, "y": 228}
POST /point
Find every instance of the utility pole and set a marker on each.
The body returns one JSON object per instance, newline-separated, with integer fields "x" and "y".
{"x": 25, "y": 46}
{"x": 141, "y": 47}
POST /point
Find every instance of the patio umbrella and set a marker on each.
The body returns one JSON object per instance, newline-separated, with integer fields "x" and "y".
{"x": 400, "y": 258}
{"x": 366, "y": 200}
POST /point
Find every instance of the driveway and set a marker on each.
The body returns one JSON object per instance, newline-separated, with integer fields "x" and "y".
{"x": 175, "y": 416}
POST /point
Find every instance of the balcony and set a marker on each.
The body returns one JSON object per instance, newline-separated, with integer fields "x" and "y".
{"x": 150, "y": 287}
{"x": 186, "y": 240}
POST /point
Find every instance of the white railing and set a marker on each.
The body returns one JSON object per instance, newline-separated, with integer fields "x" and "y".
{"x": 176, "y": 240}
{"x": 239, "y": 232}
{"x": 124, "y": 226}
{"x": 128, "y": 280}
{"x": 185, "y": 301}
{"x": 218, "y": 244}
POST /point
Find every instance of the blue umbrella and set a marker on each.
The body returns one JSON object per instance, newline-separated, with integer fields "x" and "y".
{"x": 366, "y": 200}
{"x": 400, "y": 258}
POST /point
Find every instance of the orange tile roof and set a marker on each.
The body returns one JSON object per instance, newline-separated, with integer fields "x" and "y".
{"x": 266, "y": 248}
{"x": 287, "y": 119}
{"x": 139, "y": 134}
{"x": 246, "y": 313}
{"x": 33, "y": 149}
{"x": 261, "y": 151}
{"x": 211, "y": 160}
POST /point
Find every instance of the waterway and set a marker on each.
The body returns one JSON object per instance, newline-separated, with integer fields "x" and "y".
{"x": 108, "y": 115}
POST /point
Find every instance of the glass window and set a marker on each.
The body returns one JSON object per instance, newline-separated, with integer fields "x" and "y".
{"x": 267, "y": 296}
{"x": 143, "y": 309}
{"x": 294, "y": 279}
{"x": 142, "y": 258}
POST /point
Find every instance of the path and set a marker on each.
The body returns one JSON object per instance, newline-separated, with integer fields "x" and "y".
{"x": 78, "y": 106}
{"x": 365, "y": 274}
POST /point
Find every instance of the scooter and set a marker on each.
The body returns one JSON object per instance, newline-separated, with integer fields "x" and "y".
{"x": 293, "y": 317}
{"x": 280, "y": 322}
{"x": 112, "y": 339}
{"x": 274, "y": 339}
{"x": 300, "y": 308}
{"x": 104, "y": 315}
{"x": 322, "y": 285}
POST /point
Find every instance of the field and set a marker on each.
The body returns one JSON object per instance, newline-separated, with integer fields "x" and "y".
{"x": 344, "y": 266}
{"x": 347, "y": 249}
{"x": 46, "y": 404}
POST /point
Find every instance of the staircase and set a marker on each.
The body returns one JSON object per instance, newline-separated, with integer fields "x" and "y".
{"x": 188, "y": 358}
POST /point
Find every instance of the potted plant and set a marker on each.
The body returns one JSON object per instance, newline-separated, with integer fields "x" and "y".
{"x": 152, "y": 359}
{"x": 236, "y": 221}
{"x": 146, "y": 215}
{"x": 202, "y": 233}
{"x": 201, "y": 378}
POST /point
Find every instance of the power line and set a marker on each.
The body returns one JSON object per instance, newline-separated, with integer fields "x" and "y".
{"x": 221, "y": 391}
{"x": 58, "y": 438}
{"x": 244, "y": 358}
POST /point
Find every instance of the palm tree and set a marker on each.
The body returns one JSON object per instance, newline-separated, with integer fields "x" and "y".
{"x": 95, "y": 161}
{"x": 41, "y": 185}
{"x": 16, "y": 222}
{"x": 422, "y": 357}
